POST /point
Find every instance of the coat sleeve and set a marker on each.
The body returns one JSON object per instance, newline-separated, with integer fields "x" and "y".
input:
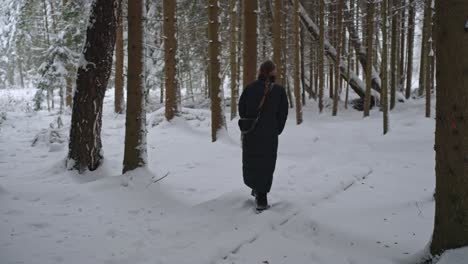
{"x": 242, "y": 106}
{"x": 282, "y": 114}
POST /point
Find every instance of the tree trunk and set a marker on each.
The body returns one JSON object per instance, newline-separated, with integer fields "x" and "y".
{"x": 370, "y": 37}
{"x": 119, "y": 67}
{"x": 410, "y": 42}
{"x": 401, "y": 64}
{"x": 451, "y": 142}
{"x": 170, "y": 48}
{"x": 393, "y": 59}
{"x": 233, "y": 59}
{"x": 348, "y": 70}
{"x": 85, "y": 133}
{"x": 250, "y": 41}
{"x": 428, "y": 55}
{"x": 321, "y": 60}
{"x": 217, "y": 117}
{"x": 339, "y": 32}
{"x": 384, "y": 66}
{"x": 297, "y": 69}
{"x": 135, "y": 125}
{"x": 240, "y": 36}
{"x": 425, "y": 38}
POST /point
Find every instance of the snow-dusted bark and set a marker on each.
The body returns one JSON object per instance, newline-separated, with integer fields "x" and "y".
{"x": 93, "y": 74}
{"x": 216, "y": 93}
{"x": 355, "y": 82}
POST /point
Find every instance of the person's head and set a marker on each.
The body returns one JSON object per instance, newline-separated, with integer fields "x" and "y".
{"x": 267, "y": 71}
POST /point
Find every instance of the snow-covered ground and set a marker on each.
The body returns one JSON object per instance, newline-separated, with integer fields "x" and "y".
{"x": 342, "y": 193}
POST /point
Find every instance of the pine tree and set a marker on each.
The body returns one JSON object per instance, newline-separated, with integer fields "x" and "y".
{"x": 93, "y": 74}
{"x": 339, "y": 30}
{"x": 297, "y": 88}
{"x": 410, "y": 48}
{"x": 393, "y": 57}
{"x": 321, "y": 62}
{"x": 217, "y": 117}
{"x": 233, "y": 59}
{"x": 119, "y": 68}
{"x": 428, "y": 54}
{"x": 451, "y": 142}
{"x": 370, "y": 34}
{"x": 170, "y": 48}
{"x": 384, "y": 66}
{"x": 135, "y": 122}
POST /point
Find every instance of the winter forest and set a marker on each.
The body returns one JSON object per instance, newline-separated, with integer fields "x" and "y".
{"x": 122, "y": 134}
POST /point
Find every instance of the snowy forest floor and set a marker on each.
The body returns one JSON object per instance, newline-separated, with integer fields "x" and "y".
{"x": 342, "y": 192}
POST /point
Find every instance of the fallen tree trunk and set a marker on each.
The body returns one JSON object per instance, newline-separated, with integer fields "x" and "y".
{"x": 361, "y": 51}
{"x": 355, "y": 82}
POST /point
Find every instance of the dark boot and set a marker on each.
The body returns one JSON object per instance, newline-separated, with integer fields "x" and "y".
{"x": 262, "y": 201}
{"x": 253, "y": 193}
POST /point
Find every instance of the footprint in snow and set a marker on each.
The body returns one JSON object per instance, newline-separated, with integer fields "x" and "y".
{"x": 40, "y": 225}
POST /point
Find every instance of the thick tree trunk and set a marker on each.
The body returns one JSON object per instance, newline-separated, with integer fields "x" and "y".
{"x": 119, "y": 67}
{"x": 217, "y": 117}
{"x": 170, "y": 48}
{"x": 451, "y": 142}
{"x": 135, "y": 125}
{"x": 93, "y": 74}
{"x": 250, "y": 41}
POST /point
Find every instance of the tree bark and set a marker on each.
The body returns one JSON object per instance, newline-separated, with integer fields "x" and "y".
{"x": 233, "y": 59}
{"x": 135, "y": 125}
{"x": 394, "y": 52}
{"x": 428, "y": 55}
{"x": 339, "y": 32}
{"x": 217, "y": 117}
{"x": 297, "y": 42}
{"x": 93, "y": 74}
{"x": 119, "y": 67}
{"x": 425, "y": 38}
{"x": 370, "y": 37}
{"x": 451, "y": 142}
{"x": 410, "y": 48}
{"x": 384, "y": 66}
{"x": 170, "y": 48}
{"x": 321, "y": 55}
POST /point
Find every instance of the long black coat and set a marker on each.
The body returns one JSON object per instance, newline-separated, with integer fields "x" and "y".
{"x": 259, "y": 147}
